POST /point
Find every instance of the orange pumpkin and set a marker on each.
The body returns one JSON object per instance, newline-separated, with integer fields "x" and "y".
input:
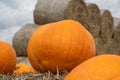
{"x": 116, "y": 78}
{"x": 23, "y": 68}
{"x": 102, "y": 67}
{"x": 62, "y": 45}
{"x": 7, "y": 58}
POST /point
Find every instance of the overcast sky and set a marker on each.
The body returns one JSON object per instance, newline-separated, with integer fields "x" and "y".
{"x": 15, "y": 13}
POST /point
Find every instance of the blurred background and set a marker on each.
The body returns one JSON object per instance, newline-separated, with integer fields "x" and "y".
{"x": 16, "y": 13}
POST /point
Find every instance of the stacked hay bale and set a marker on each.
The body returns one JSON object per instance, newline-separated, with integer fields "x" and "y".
{"x": 116, "y": 39}
{"x": 117, "y": 35}
{"x": 53, "y": 11}
{"x": 21, "y": 38}
{"x": 99, "y": 22}
{"x": 109, "y": 34}
{"x": 113, "y": 45}
{"x": 106, "y": 32}
{"x": 107, "y": 26}
{"x": 47, "y": 11}
{"x": 88, "y": 16}
{"x": 77, "y": 10}
{"x": 94, "y": 19}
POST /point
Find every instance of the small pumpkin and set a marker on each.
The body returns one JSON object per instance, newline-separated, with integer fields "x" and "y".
{"x": 102, "y": 67}
{"x": 23, "y": 68}
{"x": 7, "y": 58}
{"x": 62, "y": 45}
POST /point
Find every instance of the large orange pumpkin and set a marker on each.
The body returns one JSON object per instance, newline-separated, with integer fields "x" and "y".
{"x": 102, "y": 67}
{"x": 116, "y": 77}
{"x": 7, "y": 58}
{"x": 62, "y": 45}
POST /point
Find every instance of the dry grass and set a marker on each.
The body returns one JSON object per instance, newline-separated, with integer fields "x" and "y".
{"x": 30, "y": 76}
{"x": 37, "y": 76}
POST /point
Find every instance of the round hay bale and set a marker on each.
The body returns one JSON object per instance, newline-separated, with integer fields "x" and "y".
{"x": 111, "y": 48}
{"x": 94, "y": 18}
{"x": 108, "y": 48}
{"x": 47, "y": 11}
{"x": 77, "y": 10}
{"x": 94, "y": 13}
{"x": 116, "y": 38}
{"x": 117, "y": 34}
{"x": 99, "y": 45}
{"x": 107, "y": 27}
{"x": 21, "y": 38}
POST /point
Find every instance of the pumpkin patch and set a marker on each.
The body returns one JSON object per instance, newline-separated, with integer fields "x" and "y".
{"x": 62, "y": 45}
{"x": 64, "y": 40}
{"x": 7, "y": 58}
